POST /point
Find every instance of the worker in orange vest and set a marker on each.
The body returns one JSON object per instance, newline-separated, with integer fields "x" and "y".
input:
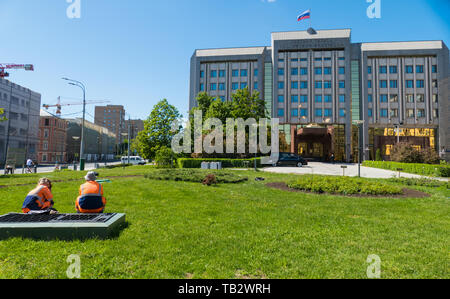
{"x": 40, "y": 199}
{"x": 91, "y": 199}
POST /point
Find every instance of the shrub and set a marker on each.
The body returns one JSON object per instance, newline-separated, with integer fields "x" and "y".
{"x": 343, "y": 185}
{"x": 226, "y": 163}
{"x": 378, "y": 155}
{"x": 194, "y": 175}
{"x": 421, "y": 169}
{"x": 210, "y": 180}
{"x": 420, "y": 182}
{"x": 165, "y": 158}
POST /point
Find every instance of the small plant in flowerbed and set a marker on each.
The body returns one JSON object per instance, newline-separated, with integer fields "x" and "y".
{"x": 343, "y": 185}
{"x": 195, "y": 175}
{"x": 420, "y": 182}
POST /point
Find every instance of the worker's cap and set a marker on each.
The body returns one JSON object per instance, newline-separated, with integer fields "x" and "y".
{"x": 91, "y": 176}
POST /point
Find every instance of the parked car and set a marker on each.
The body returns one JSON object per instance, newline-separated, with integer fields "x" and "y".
{"x": 135, "y": 160}
{"x": 289, "y": 159}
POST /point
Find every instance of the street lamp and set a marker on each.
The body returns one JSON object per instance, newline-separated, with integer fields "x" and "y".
{"x": 80, "y": 85}
{"x": 359, "y": 123}
{"x": 397, "y": 127}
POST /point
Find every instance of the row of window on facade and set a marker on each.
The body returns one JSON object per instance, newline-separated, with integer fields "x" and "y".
{"x": 317, "y": 71}
{"x": 318, "y": 98}
{"x": 319, "y": 112}
{"x": 410, "y": 113}
{"x": 306, "y": 59}
{"x": 234, "y": 86}
{"x": 234, "y": 73}
{"x": 15, "y": 100}
{"x": 409, "y": 69}
{"x": 408, "y": 83}
{"x": 410, "y": 98}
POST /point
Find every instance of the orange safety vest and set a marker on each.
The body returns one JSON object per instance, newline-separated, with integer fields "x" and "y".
{"x": 91, "y": 199}
{"x": 40, "y": 198}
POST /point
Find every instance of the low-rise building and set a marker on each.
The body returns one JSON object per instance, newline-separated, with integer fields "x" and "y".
{"x": 52, "y": 139}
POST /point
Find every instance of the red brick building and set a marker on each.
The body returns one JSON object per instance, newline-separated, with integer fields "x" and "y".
{"x": 52, "y": 139}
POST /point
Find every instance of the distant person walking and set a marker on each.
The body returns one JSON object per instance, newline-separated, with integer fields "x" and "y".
{"x": 91, "y": 199}
{"x": 40, "y": 199}
{"x": 30, "y": 164}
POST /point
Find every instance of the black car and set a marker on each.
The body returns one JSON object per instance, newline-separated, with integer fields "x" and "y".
{"x": 289, "y": 159}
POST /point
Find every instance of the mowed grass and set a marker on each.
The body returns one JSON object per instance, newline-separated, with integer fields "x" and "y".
{"x": 187, "y": 230}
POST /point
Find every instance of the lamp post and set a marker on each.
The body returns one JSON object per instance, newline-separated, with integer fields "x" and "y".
{"x": 397, "y": 127}
{"x": 359, "y": 123}
{"x": 80, "y": 85}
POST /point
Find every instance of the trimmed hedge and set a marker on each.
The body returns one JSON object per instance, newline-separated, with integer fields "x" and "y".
{"x": 420, "y": 169}
{"x": 343, "y": 185}
{"x": 226, "y": 163}
{"x": 195, "y": 176}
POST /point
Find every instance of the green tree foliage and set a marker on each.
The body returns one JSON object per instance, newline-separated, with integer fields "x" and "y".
{"x": 157, "y": 131}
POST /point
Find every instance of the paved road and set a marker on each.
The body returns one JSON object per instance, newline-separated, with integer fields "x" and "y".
{"x": 335, "y": 169}
{"x": 46, "y": 169}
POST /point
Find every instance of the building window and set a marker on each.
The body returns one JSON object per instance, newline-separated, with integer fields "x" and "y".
{"x": 369, "y": 70}
{"x": 304, "y": 84}
{"x": 44, "y": 158}
{"x": 342, "y": 70}
{"x": 327, "y": 84}
{"x": 384, "y": 113}
{"x": 304, "y": 99}
{"x": 234, "y": 86}
{"x": 294, "y": 60}
{"x": 303, "y": 112}
{"x": 318, "y": 71}
{"x": 327, "y": 58}
{"x": 294, "y": 113}
{"x": 410, "y": 98}
{"x": 393, "y": 98}
{"x": 222, "y": 73}
{"x": 393, "y": 83}
{"x": 235, "y": 73}
{"x": 328, "y": 112}
{"x": 369, "y": 84}
{"x": 255, "y": 72}
{"x": 393, "y": 69}
{"x": 419, "y": 69}
{"x": 383, "y": 98}
{"x": 213, "y": 74}
{"x": 370, "y": 113}
{"x": 420, "y": 98}
{"x": 255, "y": 86}
{"x": 303, "y": 59}
{"x": 318, "y": 112}
{"x": 294, "y": 85}
{"x": 222, "y": 98}
{"x": 294, "y": 99}
{"x": 409, "y": 69}
{"x": 280, "y": 112}
{"x": 383, "y": 84}
{"x": 410, "y": 113}
{"x": 318, "y": 84}
{"x": 318, "y": 99}
{"x": 435, "y": 113}
{"x": 342, "y": 98}
{"x": 341, "y": 58}
{"x": 318, "y": 59}
{"x": 202, "y": 87}
{"x": 341, "y": 84}
{"x": 280, "y": 60}
{"x": 394, "y": 113}
{"x": 421, "y": 113}
{"x": 342, "y": 112}
{"x": 280, "y": 99}
{"x": 244, "y": 85}
{"x": 327, "y": 71}
{"x": 420, "y": 84}
{"x": 435, "y": 84}
{"x": 434, "y": 69}
{"x": 280, "y": 85}
{"x": 327, "y": 98}
{"x": 221, "y": 86}
{"x": 294, "y": 72}
{"x": 435, "y": 98}
{"x": 45, "y": 145}
{"x": 370, "y": 98}
{"x": 213, "y": 86}
{"x": 383, "y": 69}
{"x": 409, "y": 84}
{"x": 281, "y": 72}
{"x": 304, "y": 71}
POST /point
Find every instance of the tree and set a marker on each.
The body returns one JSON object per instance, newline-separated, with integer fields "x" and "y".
{"x": 246, "y": 105}
{"x": 157, "y": 131}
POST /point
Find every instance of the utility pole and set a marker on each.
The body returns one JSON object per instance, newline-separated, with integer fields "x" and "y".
{"x": 129, "y": 136}
{"x": 9, "y": 127}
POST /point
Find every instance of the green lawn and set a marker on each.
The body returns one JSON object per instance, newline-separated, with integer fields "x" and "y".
{"x": 184, "y": 229}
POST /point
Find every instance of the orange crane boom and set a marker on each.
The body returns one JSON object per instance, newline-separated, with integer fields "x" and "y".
{"x": 58, "y": 105}
{"x": 12, "y": 66}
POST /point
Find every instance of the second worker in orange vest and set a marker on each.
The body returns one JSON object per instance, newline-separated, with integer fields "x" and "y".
{"x": 91, "y": 199}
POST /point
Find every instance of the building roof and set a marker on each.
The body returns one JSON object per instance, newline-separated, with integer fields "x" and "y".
{"x": 417, "y": 45}
{"x": 319, "y": 34}
{"x": 230, "y": 51}
{"x": 44, "y": 113}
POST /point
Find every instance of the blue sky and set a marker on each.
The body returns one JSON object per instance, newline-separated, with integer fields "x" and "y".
{"x": 137, "y": 52}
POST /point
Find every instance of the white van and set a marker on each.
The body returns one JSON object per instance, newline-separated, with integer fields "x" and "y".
{"x": 135, "y": 160}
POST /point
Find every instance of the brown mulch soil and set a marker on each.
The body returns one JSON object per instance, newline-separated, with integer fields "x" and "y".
{"x": 407, "y": 193}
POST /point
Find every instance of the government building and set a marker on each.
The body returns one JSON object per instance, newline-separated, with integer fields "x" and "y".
{"x": 320, "y": 85}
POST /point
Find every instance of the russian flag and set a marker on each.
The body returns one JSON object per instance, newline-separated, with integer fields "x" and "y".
{"x": 304, "y": 15}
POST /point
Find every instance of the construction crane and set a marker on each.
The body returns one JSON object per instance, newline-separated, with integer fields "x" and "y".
{"x": 59, "y": 106}
{"x": 12, "y": 66}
